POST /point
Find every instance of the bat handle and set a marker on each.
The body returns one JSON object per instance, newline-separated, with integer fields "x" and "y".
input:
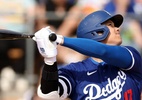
{"x": 52, "y": 37}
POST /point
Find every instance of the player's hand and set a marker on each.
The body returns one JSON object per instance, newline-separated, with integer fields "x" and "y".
{"x": 46, "y": 48}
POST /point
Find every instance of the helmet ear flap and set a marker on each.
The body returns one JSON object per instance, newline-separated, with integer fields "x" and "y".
{"x": 100, "y": 33}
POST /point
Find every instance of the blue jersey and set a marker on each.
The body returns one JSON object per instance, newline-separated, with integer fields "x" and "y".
{"x": 90, "y": 80}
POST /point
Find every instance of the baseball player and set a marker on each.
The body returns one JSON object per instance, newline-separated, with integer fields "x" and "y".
{"x": 112, "y": 72}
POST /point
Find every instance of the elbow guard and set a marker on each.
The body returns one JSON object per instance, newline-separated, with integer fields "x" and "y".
{"x": 50, "y": 96}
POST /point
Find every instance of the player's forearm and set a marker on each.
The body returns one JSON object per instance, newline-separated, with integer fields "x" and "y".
{"x": 114, "y": 55}
{"x": 48, "y": 88}
{"x": 49, "y": 79}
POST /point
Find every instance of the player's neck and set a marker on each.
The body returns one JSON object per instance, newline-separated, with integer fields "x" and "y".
{"x": 97, "y": 60}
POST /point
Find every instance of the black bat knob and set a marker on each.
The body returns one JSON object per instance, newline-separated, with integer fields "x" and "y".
{"x": 52, "y": 37}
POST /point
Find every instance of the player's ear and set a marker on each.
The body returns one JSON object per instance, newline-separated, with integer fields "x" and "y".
{"x": 100, "y": 33}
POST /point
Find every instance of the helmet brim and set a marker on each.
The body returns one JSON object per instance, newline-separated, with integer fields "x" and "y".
{"x": 117, "y": 20}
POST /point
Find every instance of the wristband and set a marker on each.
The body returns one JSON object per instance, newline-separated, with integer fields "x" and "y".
{"x": 50, "y": 72}
{"x": 49, "y": 76}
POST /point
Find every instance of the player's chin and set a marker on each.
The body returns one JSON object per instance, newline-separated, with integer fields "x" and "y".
{"x": 119, "y": 42}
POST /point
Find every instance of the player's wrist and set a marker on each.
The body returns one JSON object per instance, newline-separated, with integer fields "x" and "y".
{"x": 50, "y": 61}
{"x": 60, "y": 39}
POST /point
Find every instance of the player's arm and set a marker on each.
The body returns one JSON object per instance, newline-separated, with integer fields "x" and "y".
{"x": 114, "y": 55}
{"x": 49, "y": 84}
{"x": 53, "y": 86}
{"x": 48, "y": 87}
{"x": 123, "y": 57}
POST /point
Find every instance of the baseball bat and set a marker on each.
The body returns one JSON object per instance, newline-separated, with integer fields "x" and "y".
{"x": 13, "y": 35}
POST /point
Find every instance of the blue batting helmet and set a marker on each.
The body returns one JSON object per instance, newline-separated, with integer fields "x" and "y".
{"x": 92, "y": 24}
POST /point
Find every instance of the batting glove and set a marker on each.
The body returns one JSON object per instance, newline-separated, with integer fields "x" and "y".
{"x": 46, "y": 48}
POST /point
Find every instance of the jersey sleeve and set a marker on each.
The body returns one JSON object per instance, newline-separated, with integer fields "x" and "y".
{"x": 66, "y": 80}
{"x": 136, "y": 64}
